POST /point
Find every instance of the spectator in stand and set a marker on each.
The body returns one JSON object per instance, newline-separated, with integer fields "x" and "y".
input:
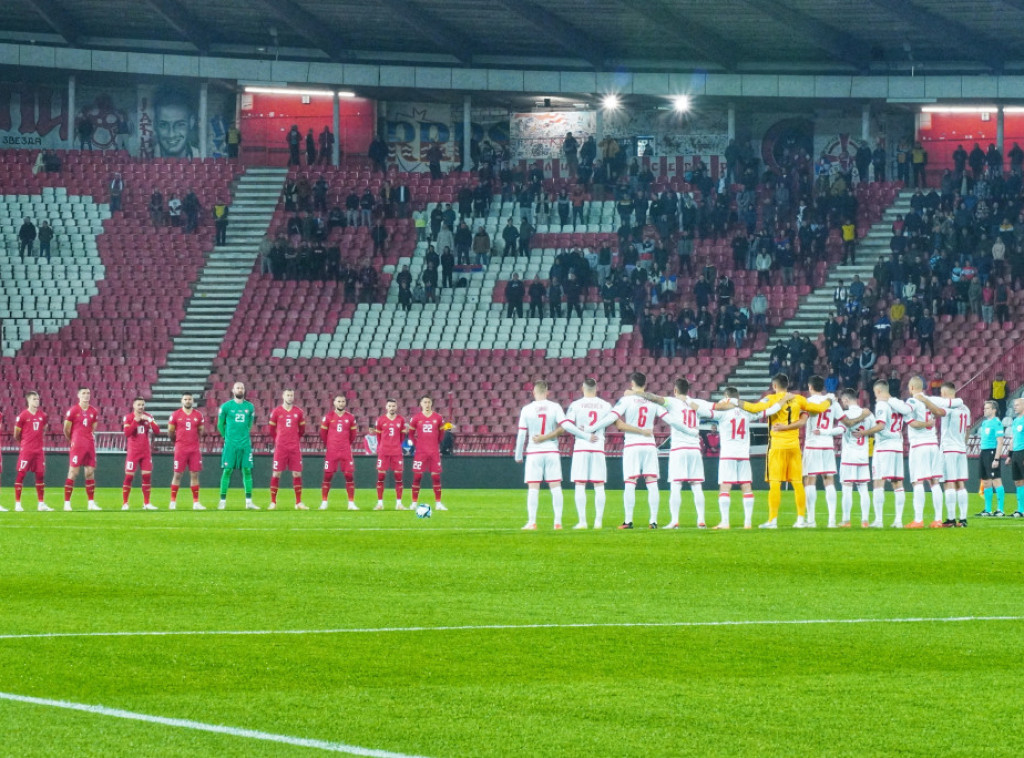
{"x": 997, "y": 392}
{"x": 325, "y": 143}
{"x": 897, "y": 319}
{"x": 190, "y": 206}
{"x": 116, "y": 188}
{"x": 378, "y": 153}
{"x": 849, "y": 371}
{"x": 510, "y": 236}
{"x": 156, "y": 208}
{"x": 926, "y": 333}
{"x": 482, "y": 247}
{"x": 367, "y": 203}
{"x": 883, "y": 335}
{"x": 320, "y": 189}
{"x": 668, "y": 331}
{"x": 725, "y": 290}
{"x": 536, "y": 293}
{"x": 45, "y": 235}
{"x": 777, "y": 359}
{"x": 759, "y": 313}
{"x": 352, "y": 208}
{"x": 26, "y": 238}
{"x": 994, "y": 160}
{"x": 402, "y": 196}
{"x": 379, "y": 235}
{"x": 220, "y": 223}
{"x": 878, "y": 161}
{"x": 447, "y": 268}
{"x": 570, "y": 149}
{"x": 266, "y": 248}
{"x": 555, "y": 298}
{"x": 85, "y": 131}
{"x": 310, "y": 148}
{"x": 463, "y": 239}
{"x": 514, "y": 293}
{"x": 919, "y": 160}
{"x": 867, "y": 362}
{"x": 609, "y": 293}
{"x": 573, "y": 292}
{"x": 1002, "y": 301}
{"x": 294, "y": 141}
{"x": 988, "y": 298}
{"x": 174, "y": 210}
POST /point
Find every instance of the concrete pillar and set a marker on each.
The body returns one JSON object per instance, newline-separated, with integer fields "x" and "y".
{"x": 467, "y": 132}
{"x": 865, "y": 123}
{"x": 204, "y": 95}
{"x": 599, "y": 125}
{"x": 1000, "y": 131}
{"x": 336, "y": 128}
{"x": 731, "y": 121}
{"x": 70, "y": 115}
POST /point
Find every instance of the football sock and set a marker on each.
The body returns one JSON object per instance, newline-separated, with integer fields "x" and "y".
{"x": 901, "y": 500}
{"x": 847, "y": 503}
{"x": 556, "y": 504}
{"x": 380, "y": 486}
{"x": 19, "y": 481}
{"x": 350, "y": 487}
{"x": 416, "y": 479}
{"x": 274, "y": 485}
{"x": 653, "y": 500}
{"x": 748, "y": 507}
{"x": 810, "y": 500}
{"x": 174, "y": 493}
{"x": 437, "y": 488}
{"x": 581, "y": 503}
{"x": 1000, "y": 496}
{"x": 865, "y": 502}
{"x": 247, "y": 482}
{"x": 398, "y": 488}
{"x": 41, "y": 490}
{"x": 1020, "y": 499}
{"x": 698, "y": 500}
{"x": 225, "y": 482}
{"x": 723, "y": 508}
{"x": 918, "y": 501}
{"x": 69, "y": 487}
{"x": 830, "y": 501}
{"x": 675, "y": 501}
{"x": 951, "y": 503}
{"x": 878, "y": 501}
{"x": 801, "y": 498}
{"x": 297, "y": 487}
{"x": 989, "y": 492}
{"x": 195, "y": 493}
{"x": 774, "y": 499}
{"x": 532, "y": 498}
{"x": 325, "y": 488}
{"x": 90, "y": 489}
{"x": 147, "y": 487}
{"x": 962, "y": 502}
{"x": 599, "y": 499}
{"x": 629, "y": 501}
{"x": 126, "y": 489}
{"x": 937, "y": 501}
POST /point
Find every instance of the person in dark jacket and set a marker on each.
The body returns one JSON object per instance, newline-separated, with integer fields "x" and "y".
{"x": 514, "y": 292}
{"x": 536, "y": 293}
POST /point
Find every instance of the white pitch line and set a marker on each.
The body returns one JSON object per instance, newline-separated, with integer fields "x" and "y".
{"x": 511, "y": 627}
{"x": 214, "y": 529}
{"x": 100, "y": 710}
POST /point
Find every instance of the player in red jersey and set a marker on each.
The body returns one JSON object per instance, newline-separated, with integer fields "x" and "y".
{"x": 425, "y": 433}
{"x": 338, "y": 430}
{"x": 390, "y": 429}
{"x": 286, "y": 426}
{"x": 79, "y": 428}
{"x": 185, "y": 428}
{"x": 29, "y": 429}
{"x": 138, "y": 425}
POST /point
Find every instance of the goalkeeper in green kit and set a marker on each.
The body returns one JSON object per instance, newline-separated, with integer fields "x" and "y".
{"x": 236, "y": 419}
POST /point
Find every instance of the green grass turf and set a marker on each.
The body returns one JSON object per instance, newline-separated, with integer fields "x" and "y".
{"x": 922, "y": 689}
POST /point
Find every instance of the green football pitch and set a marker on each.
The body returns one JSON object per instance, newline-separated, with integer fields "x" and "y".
{"x": 295, "y": 634}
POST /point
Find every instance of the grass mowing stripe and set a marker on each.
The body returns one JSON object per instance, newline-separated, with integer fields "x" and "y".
{"x": 512, "y": 627}
{"x": 100, "y": 710}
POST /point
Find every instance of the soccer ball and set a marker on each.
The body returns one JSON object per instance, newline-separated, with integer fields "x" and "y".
{"x": 423, "y": 511}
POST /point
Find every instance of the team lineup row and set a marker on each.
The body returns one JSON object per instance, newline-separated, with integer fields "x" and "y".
{"x": 235, "y": 421}
{"x": 938, "y": 463}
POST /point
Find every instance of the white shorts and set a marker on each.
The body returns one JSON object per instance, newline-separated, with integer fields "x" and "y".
{"x": 640, "y": 461}
{"x": 925, "y": 463}
{"x": 954, "y": 467}
{"x": 888, "y": 464}
{"x": 544, "y": 467}
{"x": 734, "y": 472}
{"x": 685, "y": 466}
{"x": 588, "y": 467}
{"x": 855, "y": 473}
{"x": 819, "y": 462}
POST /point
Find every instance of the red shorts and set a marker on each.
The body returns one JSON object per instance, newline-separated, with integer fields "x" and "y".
{"x": 187, "y": 460}
{"x": 287, "y": 460}
{"x": 426, "y": 462}
{"x": 344, "y": 465}
{"x": 81, "y": 455}
{"x": 390, "y": 463}
{"x": 135, "y": 463}
{"x": 32, "y": 462}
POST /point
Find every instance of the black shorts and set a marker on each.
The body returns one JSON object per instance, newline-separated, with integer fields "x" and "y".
{"x": 1017, "y": 465}
{"x": 985, "y": 465}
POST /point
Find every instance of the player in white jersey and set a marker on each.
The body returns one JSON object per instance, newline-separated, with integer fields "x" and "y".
{"x": 953, "y": 448}
{"x": 819, "y": 457}
{"x": 855, "y": 425}
{"x": 734, "y": 455}
{"x": 639, "y": 452}
{"x": 891, "y": 413}
{"x": 925, "y": 465}
{"x": 589, "y": 465}
{"x": 685, "y": 462}
{"x": 543, "y": 461}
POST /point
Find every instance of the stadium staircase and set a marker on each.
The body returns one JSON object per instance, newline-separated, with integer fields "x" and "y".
{"x": 218, "y": 291}
{"x": 751, "y": 377}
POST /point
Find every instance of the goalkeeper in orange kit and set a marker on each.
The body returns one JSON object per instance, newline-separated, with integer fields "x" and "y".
{"x": 784, "y": 456}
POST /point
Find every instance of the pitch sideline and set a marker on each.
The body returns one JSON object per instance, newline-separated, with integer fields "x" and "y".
{"x": 199, "y": 726}
{"x": 512, "y": 627}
